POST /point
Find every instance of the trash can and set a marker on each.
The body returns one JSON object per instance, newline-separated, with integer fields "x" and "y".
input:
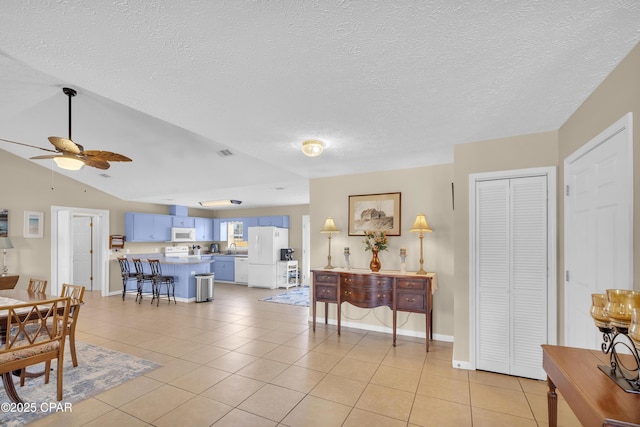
{"x": 204, "y": 287}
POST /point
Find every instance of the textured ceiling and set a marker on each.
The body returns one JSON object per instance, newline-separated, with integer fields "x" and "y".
{"x": 385, "y": 84}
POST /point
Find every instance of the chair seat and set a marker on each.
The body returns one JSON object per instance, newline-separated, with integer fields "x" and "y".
{"x": 12, "y": 356}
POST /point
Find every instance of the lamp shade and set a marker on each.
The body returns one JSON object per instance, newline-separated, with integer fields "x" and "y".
{"x": 420, "y": 224}
{"x": 68, "y": 163}
{"x": 329, "y": 226}
{"x": 5, "y": 243}
{"x": 312, "y": 147}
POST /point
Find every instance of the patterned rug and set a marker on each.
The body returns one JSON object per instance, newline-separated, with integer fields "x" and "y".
{"x": 297, "y": 296}
{"x": 99, "y": 369}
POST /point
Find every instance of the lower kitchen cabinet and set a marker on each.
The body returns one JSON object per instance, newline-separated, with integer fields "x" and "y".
{"x": 224, "y": 268}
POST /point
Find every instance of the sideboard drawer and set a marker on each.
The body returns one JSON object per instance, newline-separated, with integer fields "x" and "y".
{"x": 359, "y": 297}
{"x": 366, "y": 282}
{"x": 331, "y": 278}
{"x": 418, "y": 284}
{"x": 326, "y": 293}
{"x": 408, "y": 301}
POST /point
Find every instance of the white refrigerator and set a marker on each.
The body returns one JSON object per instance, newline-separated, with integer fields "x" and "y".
{"x": 264, "y": 253}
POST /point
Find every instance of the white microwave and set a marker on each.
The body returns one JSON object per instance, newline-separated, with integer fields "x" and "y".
{"x": 179, "y": 234}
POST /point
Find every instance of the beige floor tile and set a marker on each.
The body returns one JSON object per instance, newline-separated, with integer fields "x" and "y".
{"x": 313, "y": 411}
{"x": 232, "y": 361}
{"x": 172, "y": 370}
{"x": 116, "y": 418}
{"x": 443, "y": 368}
{"x": 339, "y": 389}
{"x": 368, "y": 353}
{"x": 359, "y": 418}
{"x": 263, "y": 369}
{"x": 494, "y": 379}
{"x": 233, "y": 390}
{"x": 445, "y": 388}
{"x": 319, "y": 361}
{"x": 231, "y": 342}
{"x": 272, "y": 402}
{"x": 355, "y": 369}
{"x": 534, "y": 386}
{"x": 298, "y": 378}
{"x": 386, "y": 401}
{"x": 196, "y": 412}
{"x": 82, "y": 413}
{"x": 238, "y": 418}
{"x": 200, "y": 379}
{"x": 402, "y": 379}
{"x": 277, "y": 337}
{"x": 256, "y": 348}
{"x": 285, "y": 354}
{"x": 500, "y": 399}
{"x": 128, "y": 391}
{"x": 538, "y": 404}
{"x": 429, "y": 411}
{"x": 156, "y": 403}
{"x": 484, "y": 418}
{"x": 204, "y": 354}
{"x": 337, "y": 348}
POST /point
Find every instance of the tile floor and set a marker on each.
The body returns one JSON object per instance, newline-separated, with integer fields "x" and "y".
{"x": 241, "y": 362}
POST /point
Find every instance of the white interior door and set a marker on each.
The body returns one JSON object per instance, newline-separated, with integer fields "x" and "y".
{"x": 82, "y": 251}
{"x": 598, "y": 227}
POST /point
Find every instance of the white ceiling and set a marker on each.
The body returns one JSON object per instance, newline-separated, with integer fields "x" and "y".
{"x": 385, "y": 84}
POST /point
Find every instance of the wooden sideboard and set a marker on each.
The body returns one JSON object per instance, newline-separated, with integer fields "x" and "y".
{"x": 592, "y": 395}
{"x": 8, "y": 282}
{"x": 400, "y": 292}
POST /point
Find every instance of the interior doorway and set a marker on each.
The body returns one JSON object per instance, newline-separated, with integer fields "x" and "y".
{"x": 82, "y": 248}
{"x": 62, "y": 268}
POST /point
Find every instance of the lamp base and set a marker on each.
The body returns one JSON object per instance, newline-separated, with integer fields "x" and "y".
{"x": 421, "y": 272}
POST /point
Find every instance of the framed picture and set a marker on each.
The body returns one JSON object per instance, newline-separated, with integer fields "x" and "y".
{"x": 374, "y": 212}
{"x": 33, "y": 224}
{"x": 4, "y": 223}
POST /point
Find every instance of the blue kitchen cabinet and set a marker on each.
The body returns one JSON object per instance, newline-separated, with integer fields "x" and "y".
{"x": 281, "y": 221}
{"x": 224, "y": 268}
{"x": 204, "y": 229}
{"x": 216, "y": 229}
{"x": 246, "y": 223}
{"x": 183, "y": 222}
{"x": 143, "y": 227}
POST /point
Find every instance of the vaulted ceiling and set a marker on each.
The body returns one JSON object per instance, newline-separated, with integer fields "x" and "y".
{"x": 384, "y": 84}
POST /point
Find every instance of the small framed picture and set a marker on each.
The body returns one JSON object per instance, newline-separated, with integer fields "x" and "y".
{"x": 33, "y": 224}
{"x": 374, "y": 212}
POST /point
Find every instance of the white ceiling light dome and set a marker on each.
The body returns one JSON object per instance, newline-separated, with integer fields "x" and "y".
{"x": 312, "y": 147}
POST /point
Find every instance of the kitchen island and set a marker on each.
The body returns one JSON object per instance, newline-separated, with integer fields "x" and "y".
{"x": 183, "y": 269}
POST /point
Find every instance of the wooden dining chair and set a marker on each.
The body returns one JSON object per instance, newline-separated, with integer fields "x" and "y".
{"x": 35, "y": 333}
{"x": 37, "y": 285}
{"x": 76, "y": 295}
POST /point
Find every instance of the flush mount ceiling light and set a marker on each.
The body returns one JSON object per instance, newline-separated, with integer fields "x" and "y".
{"x": 312, "y": 147}
{"x": 68, "y": 162}
{"x": 211, "y": 203}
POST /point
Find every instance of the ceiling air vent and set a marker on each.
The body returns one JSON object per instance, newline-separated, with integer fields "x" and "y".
{"x": 225, "y": 153}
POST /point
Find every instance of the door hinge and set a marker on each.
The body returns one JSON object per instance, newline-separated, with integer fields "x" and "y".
{"x": 566, "y": 275}
{"x": 566, "y": 191}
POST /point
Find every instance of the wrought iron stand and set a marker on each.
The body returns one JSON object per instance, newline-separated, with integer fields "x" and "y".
{"x": 617, "y": 342}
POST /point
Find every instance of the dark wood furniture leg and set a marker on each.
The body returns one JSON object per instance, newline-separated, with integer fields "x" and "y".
{"x": 9, "y": 388}
{"x": 552, "y": 403}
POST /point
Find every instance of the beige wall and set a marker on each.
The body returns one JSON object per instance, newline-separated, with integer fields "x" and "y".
{"x": 424, "y": 190}
{"x": 520, "y": 152}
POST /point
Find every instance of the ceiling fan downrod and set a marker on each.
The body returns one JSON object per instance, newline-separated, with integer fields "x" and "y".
{"x": 70, "y": 93}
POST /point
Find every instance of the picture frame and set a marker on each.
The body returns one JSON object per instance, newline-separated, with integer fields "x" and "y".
{"x": 33, "y": 225}
{"x": 4, "y": 223}
{"x": 375, "y": 212}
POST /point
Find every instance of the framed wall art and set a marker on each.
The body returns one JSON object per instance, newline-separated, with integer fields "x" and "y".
{"x": 33, "y": 224}
{"x": 374, "y": 212}
{"x": 4, "y": 223}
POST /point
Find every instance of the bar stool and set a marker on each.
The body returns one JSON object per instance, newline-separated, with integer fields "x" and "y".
{"x": 127, "y": 274}
{"x": 141, "y": 278}
{"x": 159, "y": 280}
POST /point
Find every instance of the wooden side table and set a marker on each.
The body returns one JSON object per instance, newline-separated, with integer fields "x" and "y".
{"x": 8, "y": 282}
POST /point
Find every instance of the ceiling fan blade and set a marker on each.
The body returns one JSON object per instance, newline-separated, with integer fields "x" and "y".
{"x": 64, "y": 144}
{"x": 106, "y": 155}
{"x": 27, "y": 145}
{"x": 95, "y": 162}
{"x": 48, "y": 156}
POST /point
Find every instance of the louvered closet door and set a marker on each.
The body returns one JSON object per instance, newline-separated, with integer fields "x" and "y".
{"x": 511, "y": 271}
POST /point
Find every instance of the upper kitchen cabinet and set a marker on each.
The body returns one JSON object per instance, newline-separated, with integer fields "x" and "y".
{"x": 142, "y": 227}
{"x": 204, "y": 229}
{"x": 248, "y": 222}
{"x": 183, "y": 222}
{"x": 281, "y": 221}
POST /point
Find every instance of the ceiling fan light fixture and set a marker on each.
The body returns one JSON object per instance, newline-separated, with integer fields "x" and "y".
{"x": 312, "y": 147}
{"x": 68, "y": 163}
{"x": 213, "y": 203}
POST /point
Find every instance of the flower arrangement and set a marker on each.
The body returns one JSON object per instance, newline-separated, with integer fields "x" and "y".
{"x": 375, "y": 241}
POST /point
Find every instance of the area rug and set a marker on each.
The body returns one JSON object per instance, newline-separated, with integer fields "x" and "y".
{"x": 99, "y": 369}
{"x": 298, "y": 296}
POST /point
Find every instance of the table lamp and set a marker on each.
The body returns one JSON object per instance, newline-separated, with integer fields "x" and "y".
{"x": 329, "y": 227}
{"x": 5, "y": 243}
{"x": 421, "y": 226}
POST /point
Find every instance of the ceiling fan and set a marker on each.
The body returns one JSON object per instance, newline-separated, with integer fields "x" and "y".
{"x": 72, "y": 156}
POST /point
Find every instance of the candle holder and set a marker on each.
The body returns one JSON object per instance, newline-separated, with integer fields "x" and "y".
{"x": 403, "y": 257}
{"x": 347, "y": 254}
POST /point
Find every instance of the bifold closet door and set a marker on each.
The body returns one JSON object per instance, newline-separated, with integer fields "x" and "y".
{"x": 511, "y": 275}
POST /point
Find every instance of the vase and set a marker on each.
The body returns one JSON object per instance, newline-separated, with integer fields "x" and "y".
{"x": 375, "y": 263}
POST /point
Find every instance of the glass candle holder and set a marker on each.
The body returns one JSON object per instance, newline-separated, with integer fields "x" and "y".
{"x": 403, "y": 257}
{"x": 598, "y": 311}
{"x": 618, "y": 307}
